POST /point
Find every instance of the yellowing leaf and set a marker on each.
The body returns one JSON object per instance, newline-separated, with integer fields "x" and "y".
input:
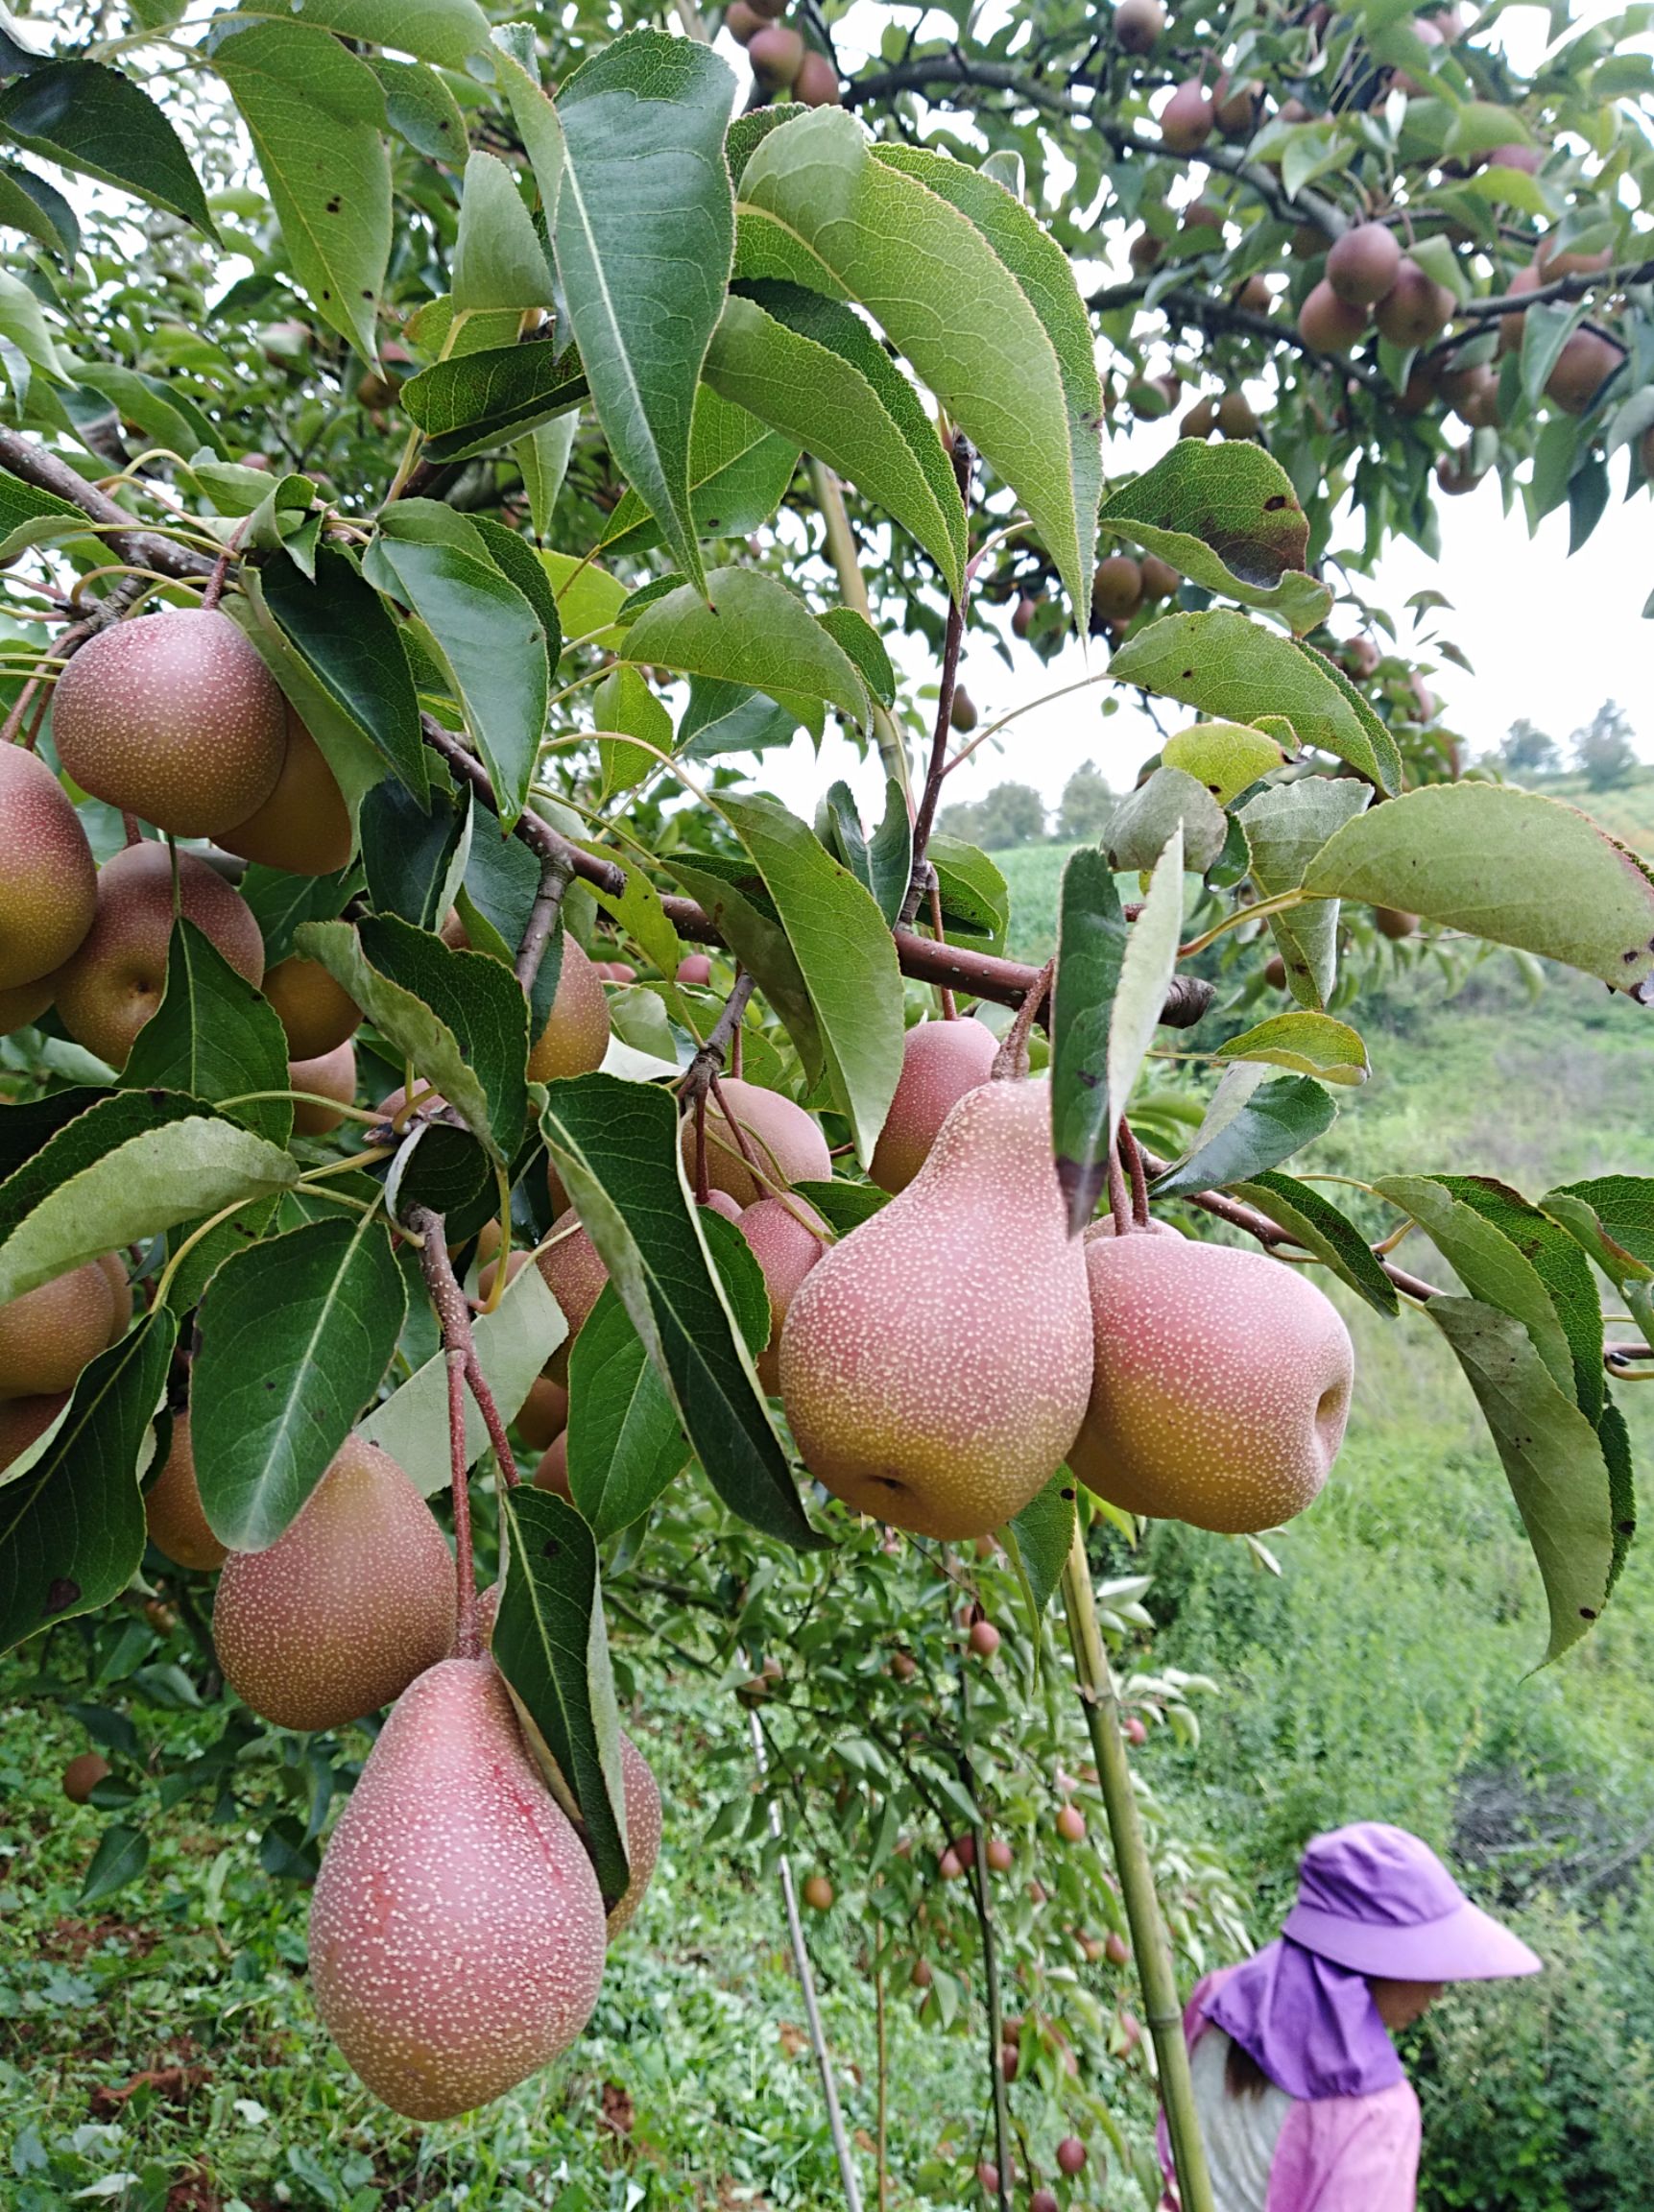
{"x": 1308, "y": 1044}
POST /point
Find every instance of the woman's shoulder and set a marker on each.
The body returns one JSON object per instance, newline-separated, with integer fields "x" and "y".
{"x": 1362, "y": 2149}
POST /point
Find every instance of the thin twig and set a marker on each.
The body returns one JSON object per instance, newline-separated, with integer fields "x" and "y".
{"x": 963, "y": 456}
{"x": 1132, "y": 1154}
{"x": 453, "y": 1316}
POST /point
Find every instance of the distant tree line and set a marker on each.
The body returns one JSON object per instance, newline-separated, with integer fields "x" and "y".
{"x": 1015, "y": 813}
{"x": 1604, "y": 751}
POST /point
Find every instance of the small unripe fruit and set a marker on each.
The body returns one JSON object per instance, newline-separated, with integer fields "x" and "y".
{"x": 1361, "y": 657}
{"x": 1187, "y": 118}
{"x": 695, "y": 967}
{"x": 543, "y": 1414}
{"x": 1362, "y": 265}
{"x": 576, "y": 1033}
{"x": 1116, "y": 1949}
{"x": 1133, "y": 1729}
{"x": 777, "y": 54}
{"x": 83, "y": 1774}
{"x": 25, "y": 1420}
{"x": 304, "y": 824}
{"x": 1237, "y": 113}
{"x": 984, "y": 1638}
{"x": 1328, "y": 324}
{"x": 1274, "y": 971}
{"x": 1529, "y": 159}
{"x": 1138, "y": 24}
{"x": 1117, "y": 586}
{"x": 1550, "y": 264}
{"x": 1254, "y": 295}
{"x": 1235, "y": 416}
{"x": 743, "y": 22}
{"x": 1043, "y": 2200}
{"x": 1415, "y": 309}
{"x": 1582, "y": 368}
{"x": 817, "y": 1894}
{"x": 1071, "y": 1824}
{"x": 49, "y": 1333}
{"x": 919, "y": 1976}
{"x": 1201, "y": 215}
{"x": 175, "y": 719}
{"x": 1145, "y": 251}
{"x": 1022, "y": 619}
{"x": 330, "y": 1075}
{"x": 816, "y": 84}
{"x": 962, "y": 711}
{"x": 1511, "y": 326}
{"x": 572, "y": 1271}
{"x": 988, "y": 2173}
{"x": 1201, "y": 419}
{"x": 1000, "y": 1855}
{"x": 1394, "y": 923}
{"x": 116, "y": 981}
{"x": 786, "y": 1247}
{"x": 1071, "y": 2156}
{"x": 317, "y": 1013}
{"x": 22, "y": 1007}
{"x": 1010, "y": 2060}
{"x": 1161, "y": 579}
{"x": 172, "y": 1513}
{"x": 904, "y": 1666}
{"x": 48, "y": 883}
{"x": 950, "y": 1866}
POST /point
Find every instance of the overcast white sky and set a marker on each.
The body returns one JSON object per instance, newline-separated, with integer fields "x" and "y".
{"x": 1546, "y": 636}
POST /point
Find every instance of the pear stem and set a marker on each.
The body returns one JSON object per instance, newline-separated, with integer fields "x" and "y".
{"x": 1119, "y": 1198}
{"x": 458, "y": 1350}
{"x": 1012, "y": 1057}
{"x": 1134, "y": 1160}
{"x": 852, "y": 590}
{"x": 1150, "y": 1942}
{"x": 949, "y": 1010}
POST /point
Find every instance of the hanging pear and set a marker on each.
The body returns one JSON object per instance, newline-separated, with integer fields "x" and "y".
{"x": 457, "y": 1929}
{"x": 936, "y": 1363}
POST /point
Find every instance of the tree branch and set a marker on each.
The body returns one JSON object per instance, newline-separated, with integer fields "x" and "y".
{"x": 1223, "y": 316}
{"x": 130, "y": 541}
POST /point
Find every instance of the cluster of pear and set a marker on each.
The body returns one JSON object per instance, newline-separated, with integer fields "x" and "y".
{"x": 457, "y": 1932}
{"x": 1124, "y": 584}
{"x": 781, "y": 61}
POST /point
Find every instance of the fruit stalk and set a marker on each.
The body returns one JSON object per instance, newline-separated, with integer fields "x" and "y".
{"x": 808, "y": 1986}
{"x": 1150, "y": 1941}
{"x": 449, "y": 1301}
{"x": 963, "y": 458}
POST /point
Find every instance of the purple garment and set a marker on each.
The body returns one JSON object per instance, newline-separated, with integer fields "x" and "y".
{"x": 1311, "y": 2026}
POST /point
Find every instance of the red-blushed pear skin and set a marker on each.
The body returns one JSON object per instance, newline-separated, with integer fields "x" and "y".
{"x": 574, "y": 1274}
{"x": 1221, "y": 1386}
{"x": 576, "y": 1033}
{"x": 24, "y": 1420}
{"x": 304, "y": 824}
{"x": 456, "y": 1929}
{"x": 544, "y": 1414}
{"x": 49, "y": 1333}
{"x": 552, "y": 1472}
{"x": 937, "y": 1362}
{"x": 786, "y": 1248}
{"x": 330, "y": 1075}
{"x": 346, "y": 1607}
{"x": 1361, "y": 265}
{"x": 173, "y": 718}
{"x": 642, "y": 1833}
{"x": 316, "y": 1012}
{"x": 173, "y": 1511}
{"x": 48, "y": 879}
{"x": 116, "y": 981}
{"x": 940, "y": 1062}
{"x": 787, "y": 1146}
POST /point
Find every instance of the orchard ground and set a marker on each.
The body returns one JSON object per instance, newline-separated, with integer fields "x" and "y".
{"x": 166, "y": 2028}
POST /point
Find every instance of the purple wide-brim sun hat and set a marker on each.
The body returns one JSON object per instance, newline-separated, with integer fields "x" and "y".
{"x": 1378, "y": 1900}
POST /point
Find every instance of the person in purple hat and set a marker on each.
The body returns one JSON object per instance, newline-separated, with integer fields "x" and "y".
{"x": 1302, "y": 2104}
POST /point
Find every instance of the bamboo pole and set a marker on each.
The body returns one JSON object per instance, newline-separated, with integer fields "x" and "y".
{"x": 1150, "y": 1940}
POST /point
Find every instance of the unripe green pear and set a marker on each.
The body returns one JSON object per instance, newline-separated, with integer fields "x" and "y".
{"x": 741, "y": 21}
{"x": 48, "y": 881}
{"x": 786, "y": 1144}
{"x": 576, "y": 1033}
{"x": 817, "y": 1892}
{"x": 22, "y": 1420}
{"x": 48, "y": 1334}
{"x": 1221, "y": 1386}
{"x": 1117, "y": 586}
{"x": 175, "y": 719}
{"x": 936, "y": 1362}
{"x": 330, "y": 1075}
{"x": 317, "y": 1013}
{"x": 346, "y": 1607}
{"x": 116, "y": 981}
{"x": 940, "y": 1062}
{"x": 83, "y": 1774}
{"x": 643, "y": 1826}
{"x": 1161, "y": 579}
{"x": 172, "y": 1512}
{"x": 962, "y": 714}
{"x": 787, "y": 1249}
{"x": 1395, "y": 923}
{"x": 304, "y": 824}
{"x": 777, "y": 54}
{"x": 1362, "y": 265}
{"x": 456, "y": 1927}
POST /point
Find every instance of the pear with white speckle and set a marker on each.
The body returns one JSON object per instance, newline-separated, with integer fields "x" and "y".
{"x": 457, "y": 1929}
{"x": 936, "y": 1363}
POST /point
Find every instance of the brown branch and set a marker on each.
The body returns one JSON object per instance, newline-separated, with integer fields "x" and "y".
{"x": 130, "y": 541}
{"x": 556, "y": 873}
{"x": 454, "y": 1317}
{"x": 710, "y": 1061}
{"x": 1574, "y": 287}
{"x": 1222, "y": 316}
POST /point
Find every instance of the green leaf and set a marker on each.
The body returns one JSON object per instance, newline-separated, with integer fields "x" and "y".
{"x": 514, "y": 1343}
{"x": 734, "y": 718}
{"x": 498, "y": 261}
{"x": 616, "y": 1148}
{"x": 213, "y": 1035}
{"x": 738, "y": 474}
{"x": 517, "y": 72}
{"x": 448, "y": 32}
{"x": 461, "y": 1017}
{"x": 845, "y": 954}
{"x": 167, "y": 418}
{"x": 95, "y": 121}
{"x": 841, "y": 1204}
{"x": 935, "y": 262}
{"x": 493, "y": 641}
{"x": 1317, "y": 1224}
{"x": 1612, "y": 1217}
{"x": 412, "y": 856}
{"x": 295, "y": 1335}
{"x": 552, "y": 1647}
{"x": 1169, "y": 801}
{"x": 543, "y": 456}
{"x": 1146, "y": 973}
{"x": 641, "y": 916}
{"x": 123, "y": 1172}
{"x": 975, "y": 899}
{"x": 1226, "y": 757}
{"x": 624, "y": 703}
{"x": 644, "y": 235}
{"x": 1309, "y": 1043}
{"x": 420, "y": 108}
{"x": 1278, "y": 1118}
{"x": 121, "y": 1856}
{"x": 1227, "y": 665}
{"x": 1552, "y": 1458}
{"x": 21, "y": 503}
{"x": 589, "y": 599}
{"x": 732, "y": 894}
{"x": 29, "y": 203}
{"x": 1285, "y": 827}
{"x": 625, "y": 1445}
{"x": 315, "y": 114}
{"x": 1042, "y": 1535}
{"x": 521, "y": 564}
{"x": 1559, "y": 1264}
{"x": 1092, "y": 940}
{"x": 1227, "y": 517}
{"x": 478, "y": 402}
{"x": 1488, "y": 858}
{"x": 754, "y": 632}
{"x": 342, "y": 629}
{"x": 884, "y": 867}
{"x": 811, "y": 368}
{"x": 72, "y": 1525}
